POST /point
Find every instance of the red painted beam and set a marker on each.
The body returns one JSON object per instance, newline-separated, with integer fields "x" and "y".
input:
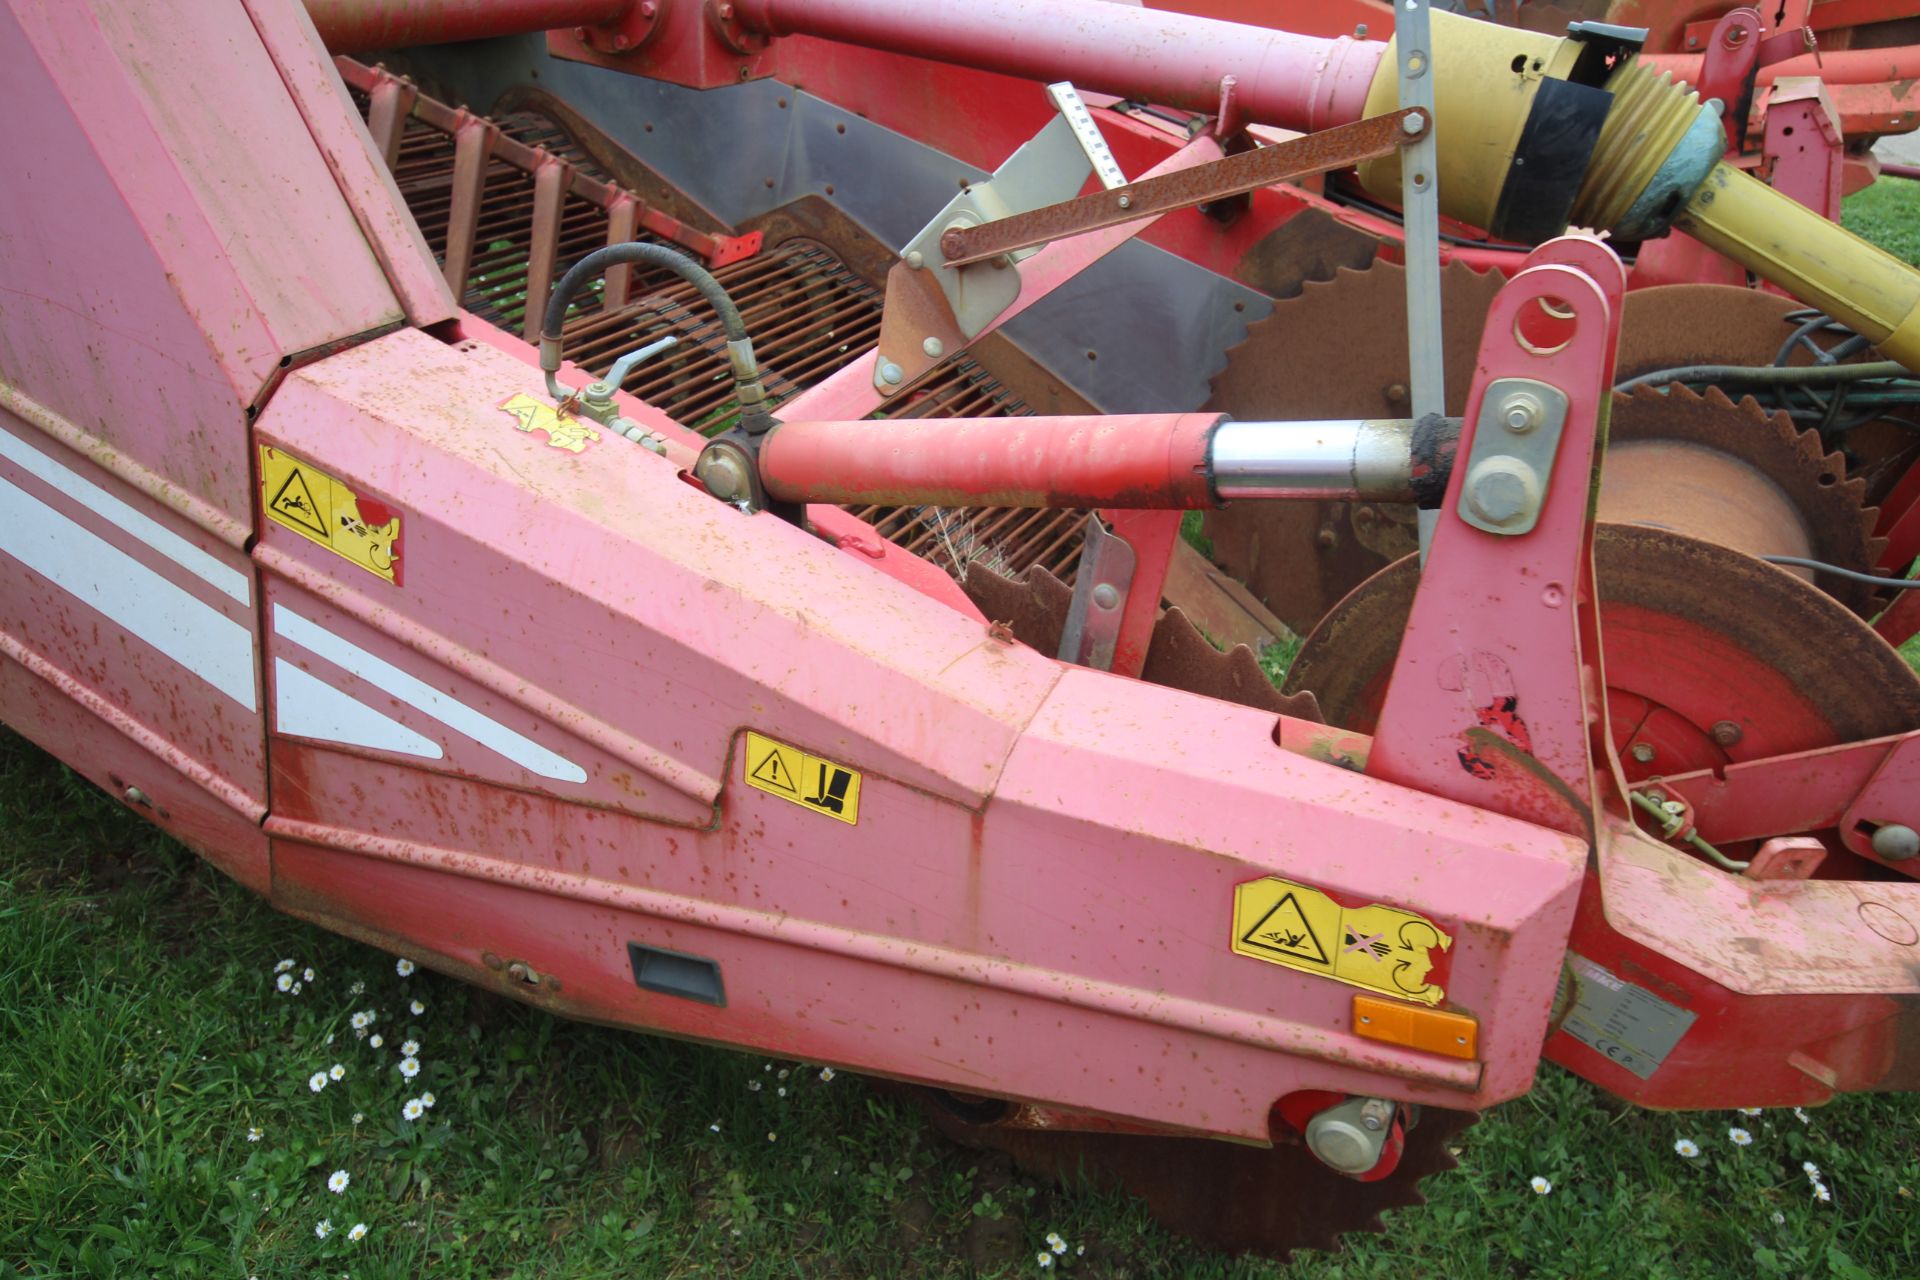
{"x": 361, "y": 26}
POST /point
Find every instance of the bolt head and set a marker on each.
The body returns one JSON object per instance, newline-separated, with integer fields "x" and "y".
{"x": 934, "y": 348}
{"x": 723, "y": 473}
{"x": 1896, "y": 842}
{"x": 1642, "y": 752}
{"x": 1105, "y": 596}
{"x": 1413, "y": 122}
{"x": 891, "y": 374}
{"x": 1126, "y": 202}
{"x": 517, "y": 971}
{"x": 1502, "y": 490}
{"x": 1727, "y": 733}
{"x": 916, "y": 259}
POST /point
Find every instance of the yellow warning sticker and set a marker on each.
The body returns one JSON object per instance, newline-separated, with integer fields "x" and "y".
{"x": 563, "y": 431}
{"x": 1380, "y": 948}
{"x": 323, "y": 508}
{"x": 808, "y": 781}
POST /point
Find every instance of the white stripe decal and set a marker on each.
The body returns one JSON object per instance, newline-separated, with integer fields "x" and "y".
{"x": 423, "y": 697}
{"x": 308, "y": 707}
{"x": 210, "y": 569}
{"x": 190, "y": 631}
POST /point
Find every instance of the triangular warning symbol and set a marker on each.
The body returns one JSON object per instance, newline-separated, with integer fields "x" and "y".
{"x": 1285, "y": 931}
{"x": 773, "y": 772}
{"x": 294, "y": 504}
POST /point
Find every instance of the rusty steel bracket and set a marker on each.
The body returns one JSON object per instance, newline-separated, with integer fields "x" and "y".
{"x": 1330, "y": 149}
{"x": 1100, "y": 593}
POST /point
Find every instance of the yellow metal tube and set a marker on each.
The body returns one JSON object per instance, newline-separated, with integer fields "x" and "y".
{"x": 1817, "y": 261}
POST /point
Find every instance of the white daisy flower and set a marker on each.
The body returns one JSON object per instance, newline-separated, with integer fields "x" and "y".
{"x": 1079, "y": 1251}
{"x": 753, "y": 1086}
{"x": 1749, "y": 1111}
{"x": 359, "y": 1116}
{"x": 357, "y": 1231}
{"x": 1811, "y": 1169}
{"x": 317, "y": 1081}
{"x": 1057, "y": 1245}
{"x": 358, "y": 988}
{"x": 403, "y": 967}
{"x": 337, "y": 1071}
{"x": 1779, "y": 1218}
{"x": 715, "y": 1126}
{"x": 306, "y": 975}
{"x": 323, "y": 1228}
{"x": 413, "y": 1110}
{"x": 1044, "y": 1259}
{"x": 782, "y": 1075}
{"x": 417, "y": 1008}
{"x": 782, "y": 1091}
{"x": 360, "y": 1019}
{"x": 1687, "y": 1147}
{"x": 337, "y": 1181}
{"x": 284, "y": 982}
{"x": 771, "y": 1137}
{"x": 253, "y": 1135}
{"x": 1739, "y": 1137}
{"x": 409, "y": 1067}
{"x": 426, "y": 1099}
{"x": 1540, "y": 1185}
{"x": 283, "y": 966}
{"x": 410, "y": 1048}
{"x": 376, "y": 1040}
{"x": 1821, "y": 1193}
{"x": 826, "y": 1073}
{"x": 296, "y": 988}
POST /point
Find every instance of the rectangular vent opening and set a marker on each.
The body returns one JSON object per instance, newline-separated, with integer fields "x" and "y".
{"x": 674, "y": 973}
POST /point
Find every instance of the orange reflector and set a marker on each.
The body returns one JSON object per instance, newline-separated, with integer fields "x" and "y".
{"x": 1456, "y": 1035}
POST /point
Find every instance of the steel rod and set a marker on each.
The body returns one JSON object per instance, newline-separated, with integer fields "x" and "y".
{"x": 361, "y": 26}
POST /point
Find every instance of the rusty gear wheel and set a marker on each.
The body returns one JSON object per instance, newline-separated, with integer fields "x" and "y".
{"x": 1299, "y": 558}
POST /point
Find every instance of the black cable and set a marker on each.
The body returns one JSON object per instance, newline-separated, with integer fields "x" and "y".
{"x": 595, "y": 264}
{"x": 1871, "y": 579}
{"x": 755, "y": 419}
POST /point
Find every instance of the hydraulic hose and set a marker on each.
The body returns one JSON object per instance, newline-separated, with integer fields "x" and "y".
{"x": 755, "y": 418}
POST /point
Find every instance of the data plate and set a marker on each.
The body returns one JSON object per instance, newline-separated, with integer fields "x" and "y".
{"x": 1625, "y": 1023}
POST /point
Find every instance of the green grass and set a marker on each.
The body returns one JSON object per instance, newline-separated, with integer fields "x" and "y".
{"x": 1887, "y": 213}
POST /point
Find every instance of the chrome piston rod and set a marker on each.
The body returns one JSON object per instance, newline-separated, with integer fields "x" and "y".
{"x": 1364, "y": 459}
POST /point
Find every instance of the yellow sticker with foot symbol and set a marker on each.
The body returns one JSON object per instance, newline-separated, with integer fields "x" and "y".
{"x": 807, "y": 780}
{"x": 1383, "y": 949}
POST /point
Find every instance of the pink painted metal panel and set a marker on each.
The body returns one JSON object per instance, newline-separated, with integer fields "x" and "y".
{"x": 683, "y": 605}
{"x": 1487, "y": 705}
{"x": 144, "y": 622}
{"x": 170, "y": 234}
{"x": 365, "y": 181}
{"x": 936, "y": 943}
{"x": 1760, "y": 937}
